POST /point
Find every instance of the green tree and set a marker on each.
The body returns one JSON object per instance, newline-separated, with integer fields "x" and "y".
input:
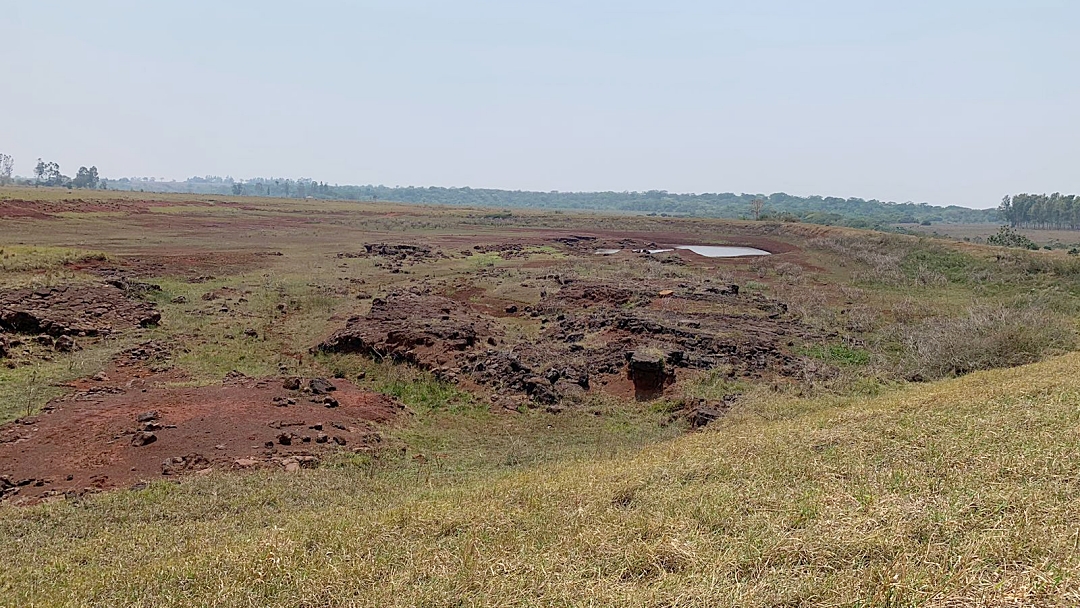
{"x": 86, "y": 178}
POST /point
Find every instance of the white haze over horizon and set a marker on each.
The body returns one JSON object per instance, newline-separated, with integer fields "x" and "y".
{"x": 957, "y": 102}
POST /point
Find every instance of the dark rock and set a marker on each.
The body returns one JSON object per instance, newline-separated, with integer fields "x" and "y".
{"x": 291, "y": 384}
{"x": 64, "y": 344}
{"x": 285, "y": 438}
{"x": 148, "y": 416}
{"x": 338, "y": 439}
{"x": 179, "y": 300}
{"x": 141, "y": 438}
{"x": 321, "y": 386}
{"x": 702, "y": 416}
{"x": 322, "y": 438}
{"x": 646, "y": 369}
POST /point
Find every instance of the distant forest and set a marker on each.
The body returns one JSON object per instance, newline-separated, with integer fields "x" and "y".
{"x": 853, "y": 212}
{"x": 1041, "y": 211}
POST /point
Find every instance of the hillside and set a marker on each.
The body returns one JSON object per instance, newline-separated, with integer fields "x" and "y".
{"x": 958, "y": 493}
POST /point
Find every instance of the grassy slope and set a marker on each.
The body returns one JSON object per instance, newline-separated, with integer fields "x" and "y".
{"x": 962, "y": 492}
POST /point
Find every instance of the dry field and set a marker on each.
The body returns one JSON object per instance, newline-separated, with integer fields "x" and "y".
{"x": 977, "y": 232}
{"x": 245, "y": 401}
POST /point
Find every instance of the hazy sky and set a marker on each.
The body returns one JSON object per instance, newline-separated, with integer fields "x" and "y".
{"x": 947, "y": 102}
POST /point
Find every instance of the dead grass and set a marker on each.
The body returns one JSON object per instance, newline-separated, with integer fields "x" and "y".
{"x": 956, "y": 493}
{"x": 985, "y": 337}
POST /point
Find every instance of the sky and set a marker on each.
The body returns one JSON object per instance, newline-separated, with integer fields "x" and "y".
{"x": 946, "y": 102}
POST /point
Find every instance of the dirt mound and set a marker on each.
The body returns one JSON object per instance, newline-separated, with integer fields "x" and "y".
{"x": 117, "y": 434}
{"x": 590, "y": 335}
{"x": 415, "y": 327}
{"x": 395, "y": 257}
{"x": 195, "y": 268}
{"x": 22, "y": 209}
{"x": 73, "y": 310}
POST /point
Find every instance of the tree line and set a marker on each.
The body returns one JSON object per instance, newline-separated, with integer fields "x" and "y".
{"x": 48, "y": 174}
{"x": 1041, "y": 211}
{"x": 852, "y": 212}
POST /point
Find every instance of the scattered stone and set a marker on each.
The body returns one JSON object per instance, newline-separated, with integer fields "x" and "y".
{"x": 338, "y": 439}
{"x": 141, "y": 438}
{"x": 322, "y": 438}
{"x": 291, "y": 384}
{"x": 100, "y": 377}
{"x": 251, "y": 333}
{"x": 148, "y": 416}
{"x": 321, "y": 386}
{"x": 702, "y": 416}
{"x": 179, "y": 300}
{"x": 64, "y": 344}
{"x": 285, "y": 438}
{"x": 246, "y": 463}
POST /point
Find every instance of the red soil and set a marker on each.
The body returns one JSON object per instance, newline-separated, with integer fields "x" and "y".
{"x": 84, "y": 443}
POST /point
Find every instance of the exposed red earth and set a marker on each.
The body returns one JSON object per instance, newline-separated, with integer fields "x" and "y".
{"x": 121, "y": 430}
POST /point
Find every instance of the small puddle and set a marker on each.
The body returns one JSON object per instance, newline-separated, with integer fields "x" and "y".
{"x": 723, "y": 251}
{"x": 607, "y": 251}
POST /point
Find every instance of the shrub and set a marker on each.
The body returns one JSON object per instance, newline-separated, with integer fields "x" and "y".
{"x": 986, "y": 337}
{"x": 1007, "y": 237}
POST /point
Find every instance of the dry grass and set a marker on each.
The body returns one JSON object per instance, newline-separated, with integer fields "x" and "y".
{"x": 961, "y": 492}
{"x": 986, "y": 337}
{"x": 956, "y": 493}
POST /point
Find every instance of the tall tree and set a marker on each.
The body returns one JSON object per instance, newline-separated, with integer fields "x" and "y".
{"x": 86, "y": 178}
{"x": 39, "y": 172}
{"x": 7, "y": 166}
{"x": 756, "y": 206}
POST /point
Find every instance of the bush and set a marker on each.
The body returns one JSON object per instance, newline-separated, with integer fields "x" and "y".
{"x": 986, "y": 337}
{"x": 1007, "y": 237}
